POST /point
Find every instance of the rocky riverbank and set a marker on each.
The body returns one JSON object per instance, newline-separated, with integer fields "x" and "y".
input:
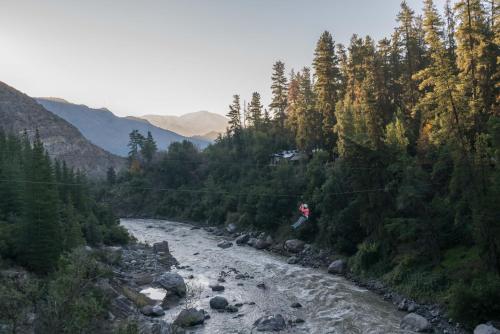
{"x": 420, "y": 318}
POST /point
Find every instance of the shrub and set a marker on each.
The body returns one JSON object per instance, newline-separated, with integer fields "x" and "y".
{"x": 367, "y": 256}
{"x": 476, "y": 302}
{"x": 73, "y": 303}
{"x": 116, "y": 235}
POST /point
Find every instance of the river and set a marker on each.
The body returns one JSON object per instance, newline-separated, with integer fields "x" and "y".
{"x": 330, "y": 303}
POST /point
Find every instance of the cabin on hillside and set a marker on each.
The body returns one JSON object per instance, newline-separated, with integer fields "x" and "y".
{"x": 289, "y": 156}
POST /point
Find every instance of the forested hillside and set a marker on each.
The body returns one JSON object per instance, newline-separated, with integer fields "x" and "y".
{"x": 402, "y": 138}
{"x": 47, "y": 214}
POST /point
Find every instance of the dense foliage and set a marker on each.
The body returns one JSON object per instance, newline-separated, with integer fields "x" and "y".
{"x": 47, "y": 212}
{"x": 402, "y": 139}
{"x": 46, "y": 208}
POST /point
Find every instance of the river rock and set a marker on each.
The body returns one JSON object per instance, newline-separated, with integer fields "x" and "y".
{"x": 224, "y": 244}
{"x": 218, "y": 303}
{"x": 217, "y": 287}
{"x": 231, "y": 228}
{"x": 337, "y": 267}
{"x": 161, "y": 247}
{"x": 252, "y": 242}
{"x": 292, "y": 260}
{"x": 152, "y": 311}
{"x": 149, "y": 326}
{"x": 270, "y": 323}
{"x": 231, "y": 309}
{"x": 416, "y": 323}
{"x": 242, "y": 239}
{"x": 294, "y": 245}
{"x": 262, "y": 285}
{"x": 296, "y": 305}
{"x": 261, "y": 244}
{"x": 122, "y": 308}
{"x": 190, "y": 317}
{"x": 486, "y": 329}
{"x": 173, "y": 283}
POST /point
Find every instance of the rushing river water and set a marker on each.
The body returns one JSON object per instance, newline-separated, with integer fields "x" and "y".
{"x": 331, "y": 304}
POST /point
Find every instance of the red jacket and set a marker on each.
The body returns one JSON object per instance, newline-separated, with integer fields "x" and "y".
{"x": 304, "y": 211}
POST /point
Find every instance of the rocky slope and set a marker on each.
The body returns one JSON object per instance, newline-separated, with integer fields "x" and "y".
{"x": 109, "y": 131}
{"x": 19, "y": 112}
{"x": 201, "y": 124}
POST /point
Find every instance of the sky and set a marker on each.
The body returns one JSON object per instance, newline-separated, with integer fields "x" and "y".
{"x": 171, "y": 57}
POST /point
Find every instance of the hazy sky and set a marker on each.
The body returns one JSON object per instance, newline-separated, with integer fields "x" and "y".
{"x": 170, "y": 57}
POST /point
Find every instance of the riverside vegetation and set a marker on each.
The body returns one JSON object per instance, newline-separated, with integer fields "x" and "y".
{"x": 402, "y": 144}
{"x": 47, "y": 214}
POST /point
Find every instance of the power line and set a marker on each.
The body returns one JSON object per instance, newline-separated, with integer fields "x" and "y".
{"x": 187, "y": 161}
{"x": 228, "y": 193}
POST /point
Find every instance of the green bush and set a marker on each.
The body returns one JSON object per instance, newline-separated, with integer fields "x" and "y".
{"x": 476, "y": 302}
{"x": 73, "y": 303}
{"x": 367, "y": 256}
{"x": 116, "y": 235}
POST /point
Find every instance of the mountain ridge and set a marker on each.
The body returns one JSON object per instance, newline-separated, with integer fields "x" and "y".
{"x": 195, "y": 124}
{"x": 111, "y": 132}
{"x": 62, "y": 140}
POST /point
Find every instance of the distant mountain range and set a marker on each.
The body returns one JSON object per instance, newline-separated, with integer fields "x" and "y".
{"x": 19, "y": 113}
{"x": 201, "y": 124}
{"x": 109, "y": 131}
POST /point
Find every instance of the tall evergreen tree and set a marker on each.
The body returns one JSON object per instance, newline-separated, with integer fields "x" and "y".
{"x": 255, "y": 111}
{"x": 148, "y": 148}
{"x": 327, "y": 76}
{"x": 440, "y": 104}
{"x": 309, "y": 125}
{"x": 41, "y": 238}
{"x": 476, "y": 60}
{"x": 279, "y": 90}
{"x": 234, "y": 116}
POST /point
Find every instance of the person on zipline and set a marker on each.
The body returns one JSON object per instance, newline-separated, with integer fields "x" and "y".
{"x": 304, "y": 216}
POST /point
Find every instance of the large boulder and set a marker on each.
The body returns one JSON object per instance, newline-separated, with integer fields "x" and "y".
{"x": 173, "y": 283}
{"x": 190, "y": 317}
{"x": 338, "y": 267}
{"x": 224, "y": 244}
{"x": 161, "y": 247}
{"x": 231, "y": 228}
{"x": 252, "y": 242}
{"x": 261, "y": 244}
{"x": 416, "y": 323}
{"x": 270, "y": 323}
{"x": 294, "y": 245}
{"x": 149, "y": 326}
{"x": 218, "y": 303}
{"x": 242, "y": 239}
{"x": 152, "y": 311}
{"x": 486, "y": 329}
{"x": 216, "y": 287}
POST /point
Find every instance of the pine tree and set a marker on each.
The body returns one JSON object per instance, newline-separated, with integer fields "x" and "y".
{"x": 148, "y": 148}
{"x": 476, "y": 59}
{"x": 279, "y": 90}
{"x": 412, "y": 51}
{"x": 41, "y": 234}
{"x": 309, "y": 125}
{"x": 440, "y": 104}
{"x": 326, "y": 83}
{"x": 292, "y": 98}
{"x": 111, "y": 176}
{"x": 234, "y": 116}
{"x": 451, "y": 44}
{"x": 255, "y": 111}
{"x": 72, "y": 235}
